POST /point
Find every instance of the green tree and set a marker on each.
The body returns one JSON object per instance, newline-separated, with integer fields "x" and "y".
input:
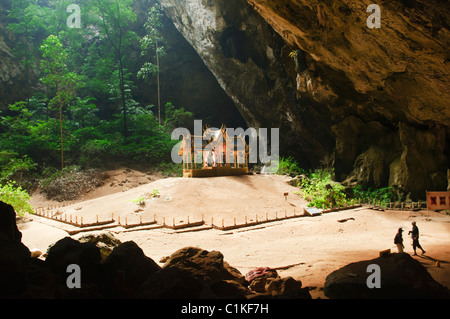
{"x": 56, "y": 75}
{"x": 114, "y": 17}
{"x": 176, "y": 117}
{"x": 28, "y": 22}
{"x": 153, "y": 41}
{"x": 16, "y": 197}
{"x": 72, "y": 120}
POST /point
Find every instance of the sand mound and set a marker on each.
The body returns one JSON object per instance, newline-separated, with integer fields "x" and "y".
{"x": 214, "y": 198}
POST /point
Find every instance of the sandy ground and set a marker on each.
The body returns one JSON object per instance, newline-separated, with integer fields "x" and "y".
{"x": 306, "y": 248}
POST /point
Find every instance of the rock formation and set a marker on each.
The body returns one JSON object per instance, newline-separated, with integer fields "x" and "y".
{"x": 185, "y": 80}
{"x": 12, "y": 75}
{"x": 370, "y": 102}
{"x": 401, "y": 277}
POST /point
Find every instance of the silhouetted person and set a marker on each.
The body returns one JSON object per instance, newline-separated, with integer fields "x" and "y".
{"x": 398, "y": 240}
{"x": 415, "y": 237}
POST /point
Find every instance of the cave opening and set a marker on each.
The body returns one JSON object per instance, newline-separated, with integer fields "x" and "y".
{"x": 187, "y": 82}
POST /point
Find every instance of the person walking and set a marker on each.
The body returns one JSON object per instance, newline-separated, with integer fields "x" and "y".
{"x": 415, "y": 238}
{"x": 398, "y": 240}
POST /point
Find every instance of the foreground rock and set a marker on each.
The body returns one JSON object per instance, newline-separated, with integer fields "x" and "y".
{"x": 106, "y": 242}
{"x": 111, "y": 269}
{"x": 125, "y": 269}
{"x": 68, "y": 251}
{"x": 202, "y": 264}
{"x": 401, "y": 277}
{"x": 196, "y": 273}
{"x": 14, "y": 256}
{"x": 271, "y": 284}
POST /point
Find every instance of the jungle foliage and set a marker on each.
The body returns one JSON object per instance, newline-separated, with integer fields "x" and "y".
{"x": 80, "y": 109}
{"x": 321, "y": 190}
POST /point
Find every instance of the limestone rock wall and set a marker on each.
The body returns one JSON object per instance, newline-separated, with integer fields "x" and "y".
{"x": 373, "y": 103}
{"x": 12, "y": 76}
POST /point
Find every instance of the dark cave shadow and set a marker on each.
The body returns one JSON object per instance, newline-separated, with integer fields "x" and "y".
{"x": 432, "y": 259}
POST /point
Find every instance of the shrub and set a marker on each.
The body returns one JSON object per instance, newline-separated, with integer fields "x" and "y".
{"x": 15, "y": 168}
{"x": 385, "y": 194}
{"x": 320, "y": 189}
{"x": 288, "y": 165}
{"x": 17, "y": 197}
{"x": 94, "y": 153}
{"x": 71, "y": 182}
{"x": 171, "y": 169}
{"x": 139, "y": 201}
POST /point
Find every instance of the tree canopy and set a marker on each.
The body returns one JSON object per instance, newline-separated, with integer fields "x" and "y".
{"x": 81, "y": 108}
